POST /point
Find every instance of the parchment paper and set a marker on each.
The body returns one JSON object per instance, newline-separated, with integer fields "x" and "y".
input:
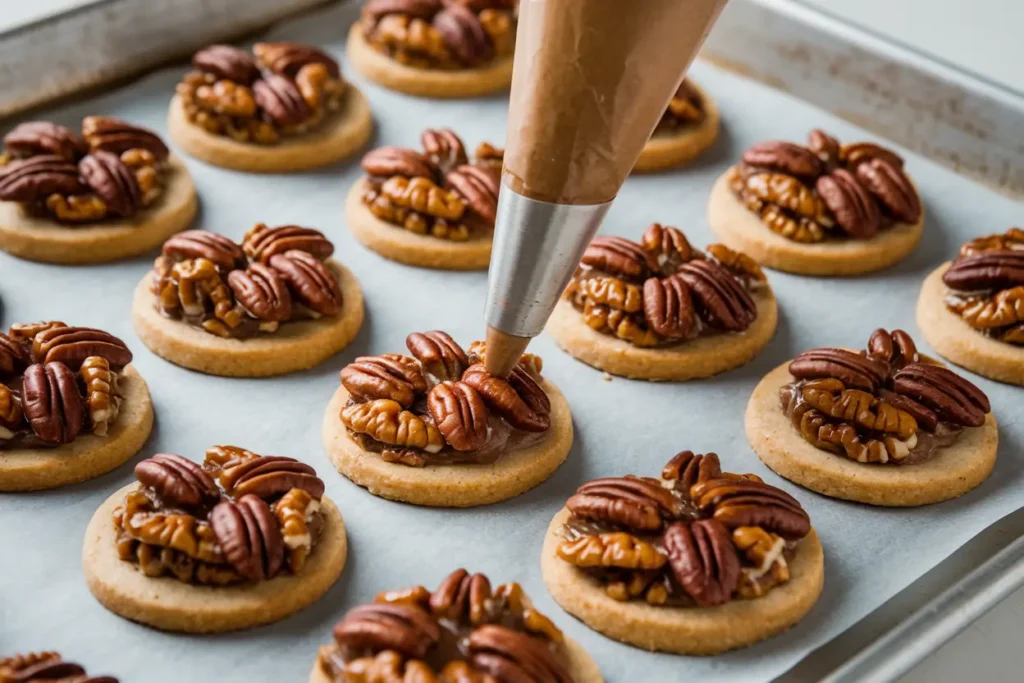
{"x": 621, "y": 426}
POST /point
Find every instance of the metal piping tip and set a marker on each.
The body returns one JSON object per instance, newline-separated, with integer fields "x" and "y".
{"x": 503, "y": 351}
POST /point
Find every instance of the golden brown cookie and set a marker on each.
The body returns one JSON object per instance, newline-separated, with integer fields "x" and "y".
{"x": 426, "y": 82}
{"x": 677, "y": 148}
{"x": 952, "y": 472}
{"x": 171, "y": 605}
{"x": 88, "y": 455}
{"x": 960, "y": 343}
{"x": 399, "y": 244}
{"x": 684, "y": 630}
{"x": 297, "y": 345}
{"x": 41, "y": 239}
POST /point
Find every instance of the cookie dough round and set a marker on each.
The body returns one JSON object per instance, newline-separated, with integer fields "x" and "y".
{"x": 463, "y": 485}
{"x": 741, "y": 229}
{"x": 170, "y": 605}
{"x": 298, "y": 345}
{"x": 581, "y": 665}
{"x": 665, "y": 151}
{"x": 684, "y": 630}
{"x": 340, "y": 135}
{"x": 41, "y": 239}
{"x": 700, "y": 357}
{"x": 385, "y": 71}
{"x": 960, "y": 343}
{"x": 950, "y": 473}
{"x": 88, "y": 456}
{"x": 399, "y": 244}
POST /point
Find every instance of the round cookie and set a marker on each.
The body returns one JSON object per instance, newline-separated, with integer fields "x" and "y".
{"x": 741, "y": 229}
{"x": 667, "y": 151}
{"x": 426, "y": 82}
{"x": 170, "y": 605}
{"x": 89, "y": 455}
{"x": 295, "y": 346}
{"x": 41, "y": 239}
{"x": 952, "y": 472}
{"x": 339, "y": 136}
{"x": 701, "y": 357}
{"x": 960, "y": 343}
{"x": 463, "y": 485}
{"x": 692, "y": 631}
{"x": 399, "y": 244}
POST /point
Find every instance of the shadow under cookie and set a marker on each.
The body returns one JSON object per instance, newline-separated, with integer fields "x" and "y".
{"x": 460, "y": 485}
{"x": 171, "y": 605}
{"x": 42, "y": 239}
{"x": 89, "y": 455}
{"x": 960, "y": 343}
{"x": 741, "y": 229}
{"x": 951, "y": 472}
{"x": 684, "y": 630}
{"x": 340, "y": 135}
{"x": 700, "y": 357}
{"x": 398, "y": 244}
{"x": 676, "y": 149}
{"x": 295, "y": 346}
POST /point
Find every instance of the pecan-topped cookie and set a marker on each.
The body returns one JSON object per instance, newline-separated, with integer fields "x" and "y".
{"x": 436, "y": 48}
{"x": 822, "y": 209}
{"x": 206, "y": 293}
{"x": 972, "y": 309}
{"x": 281, "y": 107}
{"x": 688, "y": 127}
{"x": 435, "y": 428}
{"x": 467, "y": 630}
{"x": 234, "y": 522}
{"x": 686, "y": 543}
{"x": 45, "y": 666}
{"x": 431, "y": 207}
{"x": 887, "y": 425}
{"x": 661, "y": 309}
{"x": 110, "y": 191}
{"x": 71, "y": 405}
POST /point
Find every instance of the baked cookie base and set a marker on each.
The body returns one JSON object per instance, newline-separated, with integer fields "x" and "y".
{"x": 581, "y": 665}
{"x": 39, "y": 239}
{"x": 701, "y": 357}
{"x": 295, "y": 346}
{"x": 667, "y": 151}
{"x": 451, "y": 485}
{"x": 89, "y": 455}
{"x": 170, "y": 605}
{"x": 684, "y": 630}
{"x": 403, "y": 246}
{"x": 950, "y": 473}
{"x": 385, "y": 71}
{"x": 960, "y": 343}
{"x": 741, "y": 229}
{"x": 342, "y": 133}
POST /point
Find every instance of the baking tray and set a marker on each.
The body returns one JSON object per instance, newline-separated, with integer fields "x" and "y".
{"x": 621, "y": 426}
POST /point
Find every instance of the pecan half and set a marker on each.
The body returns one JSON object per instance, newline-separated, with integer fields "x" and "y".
{"x": 389, "y": 375}
{"x": 896, "y": 348}
{"x": 985, "y": 271}
{"x": 512, "y": 656}
{"x": 311, "y": 282}
{"x": 192, "y": 244}
{"x": 444, "y": 148}
{"x": 72, "y": 345}
{"x": 262, "y": 242}
{"x": 462, "y": 597}
{"x": 45, "y": 666}
{"x": 784, "y": 157}
{"x": 857, "y": 153}
{"x": 825, "y": 147}
{"x": 854, "y": 406}
{"x": 36, "y": 178}
{"x": 261, "y": 292}
{"x": 102, "y": 396}
{"x": 614, "y": 549}
{"x": 116, "y": 136}
{"x": 724, "y": 302}
{"x": 227, "y": 62}
{"x": 385, "y": 162}
{"x": 924, "y": 416}
{"x": 616, "y": 256}
{"x": 250, "y": 536}
{"x": 463, "y": 34}
{"x": 478, "y": 188}
{"x": 288, "y": 58}
{"x": 281, "y": 100}
{"x": 386, "y": 421}
{"x": 420, "y": 9}
{"x": 177, "y": 480}
{"x": 633, "y": 502}
{"x": 852, "y": 369}
{"x": 460, "y": 415}
{"x": 667, "y": 247}
{"x": 441, "y": 355}
{"x": 689, "y": 468}
{"x": 13, "y": 356}
{"x": 52, "y": 403}
{"x": 518, "y": 399}
{"x": 271, "y": 476}
{"x": 668, "y": 308}
{"x": 952, "y": 397}
{"x": 744, "y": 502}
{"x": 27, "y": 332}
{"x": 736, "y": 262}
{"x": 703, "y": 560}
{"x": 891, "y": 187}
{"x": 408, "y": 630}
{"x": 34, "y": 138}
{"x": 1011, "y": 240}
{"x": 855, "y": 210}
{"x": 112, "y": 181}
{"x": 11, "y": 414}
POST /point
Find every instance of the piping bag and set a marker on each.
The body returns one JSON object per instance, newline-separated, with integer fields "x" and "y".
{"x": 590, "y": 82}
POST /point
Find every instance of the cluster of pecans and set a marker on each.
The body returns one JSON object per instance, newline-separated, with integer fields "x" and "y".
{"x": 112, "y": 170}
{"x": 441, "y": 34}
{"x": 465, "y": 631}
{"x": 57, "y": 382}
{"x": 987, "y": 285}
{"x": 685, "y": 109}
{"x": 237, "y": 517}
{"x": 881, "y": 405}
{"x": 697, "y": 535}
{"x": 825, "y": 190}
{"x": 45, "y": 666}
{"x": 275, "y": 275}
{"x": 436, "y": 192}
{"x": 439, "y": 403}
{"x": 662, "y": 290}
{"x": 280, "y": 89}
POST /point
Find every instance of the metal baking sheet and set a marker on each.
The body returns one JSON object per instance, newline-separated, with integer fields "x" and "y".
{"x": 621, "y": 426}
